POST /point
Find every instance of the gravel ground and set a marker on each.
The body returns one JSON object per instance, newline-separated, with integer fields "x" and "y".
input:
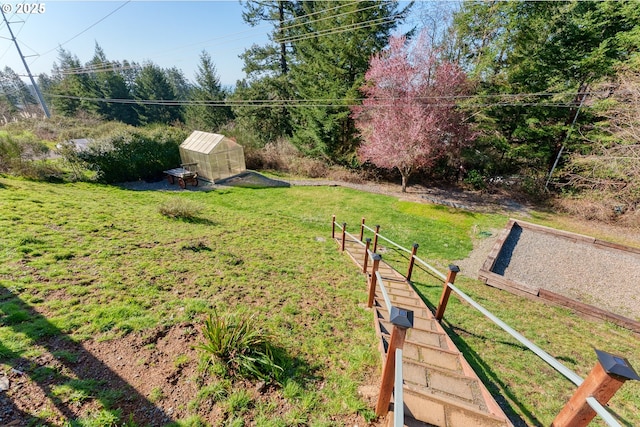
{"x": 604, "y": 277}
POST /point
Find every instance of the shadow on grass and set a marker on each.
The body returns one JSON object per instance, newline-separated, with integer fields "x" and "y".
{"x": 489, "y": 378}
{"x": 197, "y": 220}
{"x": 68, "y": 375}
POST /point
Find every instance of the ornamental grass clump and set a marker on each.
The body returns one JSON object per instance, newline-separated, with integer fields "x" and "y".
{"x": 180, "y": 208}
{"x": 242, "y": 345}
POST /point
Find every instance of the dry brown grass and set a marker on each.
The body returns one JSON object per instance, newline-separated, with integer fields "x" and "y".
{"x": 283, "y": 156}
{"x": 599, "y": 207}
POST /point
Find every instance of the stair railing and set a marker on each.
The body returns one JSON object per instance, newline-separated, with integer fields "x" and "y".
{"x": 600, "y": 385}
{"x": 398, "y": 392}
{"x": 401, "y": 320}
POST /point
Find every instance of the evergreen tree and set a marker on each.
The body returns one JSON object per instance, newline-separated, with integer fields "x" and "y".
{"x": 332, "y": 55}
{"x": 70, "y": 84}
{"x": 534, "y": 47}
{"x": 267, "y": 68}
{"x": 208, "y": 118}
{"x": 14, "y": 90}
{"x": 152, "y": 85}
{"x": 109, "y": 83}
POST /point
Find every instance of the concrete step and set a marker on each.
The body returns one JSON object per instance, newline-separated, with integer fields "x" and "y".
{"x": 429, "y": 336}
{"x": 409, "y": 421}
{"x": 445, "y": 383}
{"x": 428, "y": 355}
{"x": 421, "y": 315}
{"x": 446, "y": 412}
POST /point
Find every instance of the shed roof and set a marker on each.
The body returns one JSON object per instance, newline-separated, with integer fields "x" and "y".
{"x": 205, "y": 142}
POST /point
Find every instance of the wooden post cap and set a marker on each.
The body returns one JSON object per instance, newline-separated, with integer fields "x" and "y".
{"x": 454, "y": 268}
{"x": 376, "y": 257}
{"x": 616, "y": 365}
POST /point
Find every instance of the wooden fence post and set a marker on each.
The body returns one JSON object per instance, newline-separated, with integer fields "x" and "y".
{"x": 344, "y": 235}
{"x": 444, "y": 298}
{"x": 362, "y": 229}
{"x": 333, "y": 226}
{"x": 412, "y": 261}
{"x": 401, "y": 320}
{"x": 374, "y": 279}
{"x": 366, "y": 255}
{"x": 375, "y": 239}
{"x": 602, "y": 383}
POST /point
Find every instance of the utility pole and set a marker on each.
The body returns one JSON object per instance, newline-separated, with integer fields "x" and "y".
{"x": 33, "y": 82}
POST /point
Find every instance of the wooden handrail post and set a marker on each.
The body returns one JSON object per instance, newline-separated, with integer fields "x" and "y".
{"x": 602, "y": 383}
{"x": 444, "y": 298}
{"x": 333, "y": 226}
{"x": 366, "y": 255}
{"x": 375, "y": 239}
{"x": 374, "y": 279}
{"x": 344, "y": 235}
{"x": 401, "y": 320}
{"x": 412, "y": 261}
{"x": 362, "y": 229}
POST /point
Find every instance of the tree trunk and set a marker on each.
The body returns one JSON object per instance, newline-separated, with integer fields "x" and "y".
{"x": 283, "y": 46}
{"x": 405, "y": 178}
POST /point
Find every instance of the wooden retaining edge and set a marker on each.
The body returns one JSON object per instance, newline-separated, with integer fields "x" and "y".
{"x": 498, "y": 281}
{"x": 486, "y": 275}
{"x": 575, "y": 237}
{"x": 490, "y": 262}
{"x": 590, "y": 310}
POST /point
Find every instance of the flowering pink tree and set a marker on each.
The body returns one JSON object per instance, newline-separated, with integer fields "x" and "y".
{"x": 408, "y": 119}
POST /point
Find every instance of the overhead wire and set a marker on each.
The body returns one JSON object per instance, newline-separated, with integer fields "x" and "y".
{"x": 297, "y": 103}
{"x": 342, "y": 29}
{"x": 90, "y": 69}
{"x": 88, "y": 28}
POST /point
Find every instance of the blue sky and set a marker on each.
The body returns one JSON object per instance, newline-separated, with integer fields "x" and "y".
{"x": 169, "y": 33}
{"x": 165, "y": 32}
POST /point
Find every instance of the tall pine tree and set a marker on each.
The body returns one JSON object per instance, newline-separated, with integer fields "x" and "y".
{"x": 152, "y": 85}
{"x": 332, "y": 55}
{"x": 267, "y": 68}
{"x": 208, "y": 118}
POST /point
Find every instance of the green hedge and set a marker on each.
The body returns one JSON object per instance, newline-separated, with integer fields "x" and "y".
{"x": 132, "y": 154}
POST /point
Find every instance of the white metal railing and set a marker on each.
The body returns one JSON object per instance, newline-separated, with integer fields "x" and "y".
{"x": 398, "y": 393}
{"x": 387, "y": 240}
{"x": 431, "y": 268}
{"x": 552, "y": 361}
{"x": 387, "y": 300}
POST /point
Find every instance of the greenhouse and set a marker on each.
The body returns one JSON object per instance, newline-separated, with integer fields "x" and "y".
{"x": 217, "y": 156}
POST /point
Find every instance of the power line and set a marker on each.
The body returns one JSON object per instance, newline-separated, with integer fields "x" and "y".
{"x": 266, "y": 103}
{"x": 88, "y": 28}
{"x": 43, "y": 104}
{"x": 90, "y": 69}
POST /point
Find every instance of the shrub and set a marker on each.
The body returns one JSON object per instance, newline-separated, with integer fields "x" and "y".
{"x": 131, "y": 154}
{"x": 19, "y": 150}
{"x": 475, "y": 179}
{"x": 180, "y": 208}
{"x": 238, "y": 341}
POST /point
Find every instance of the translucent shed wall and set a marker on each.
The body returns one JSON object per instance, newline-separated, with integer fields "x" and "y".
{"x": 217, "y": 164}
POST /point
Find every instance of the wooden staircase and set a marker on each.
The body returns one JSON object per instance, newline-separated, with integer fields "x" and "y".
{"x": 440, "y": 387}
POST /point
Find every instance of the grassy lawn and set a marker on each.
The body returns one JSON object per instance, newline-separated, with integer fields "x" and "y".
{"x": 95, "y": 263}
